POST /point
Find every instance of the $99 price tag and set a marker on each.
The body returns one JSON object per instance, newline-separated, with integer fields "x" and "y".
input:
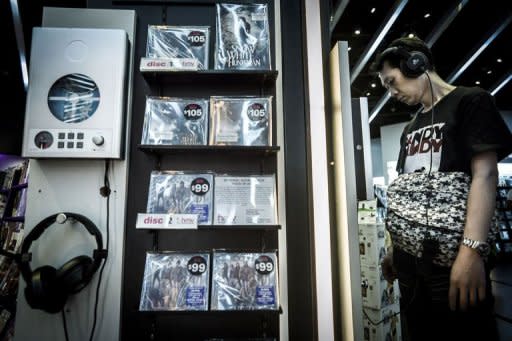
{"x": 264, "y": 265}
{"x": 196, "y": 265}
{"x": 200, "y": 186}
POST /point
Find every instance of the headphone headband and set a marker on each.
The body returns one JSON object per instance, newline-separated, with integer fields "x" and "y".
{"x": 398, "y": 50}
{"x": 43, "y": 225}
{"x": 412, "y": 63}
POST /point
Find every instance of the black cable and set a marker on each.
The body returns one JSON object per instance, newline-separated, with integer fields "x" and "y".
{"x": 431, "y": 143}
{"x": 384, "y": 320}
{"x": 501, "y": 282}
{"x": 431, "y": 121}
{"x": 503, "y": 318}
{"x": 105, "y": 191}
{"x": 426, "y": 212}
{"x": 416, "y": 283}
{"x": 65, "y": 324}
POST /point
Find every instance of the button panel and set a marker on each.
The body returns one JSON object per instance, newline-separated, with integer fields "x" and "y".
{"x": 69, "y": 140}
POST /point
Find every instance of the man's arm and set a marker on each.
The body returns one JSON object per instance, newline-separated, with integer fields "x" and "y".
{"x": 467, "y": 280}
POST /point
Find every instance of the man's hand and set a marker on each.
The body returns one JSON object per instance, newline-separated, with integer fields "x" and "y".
{"x": 467, "y": 280}
{"x": 388, "y": 270}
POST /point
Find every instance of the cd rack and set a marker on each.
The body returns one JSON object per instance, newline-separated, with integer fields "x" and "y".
{"x": 220, "y": 159}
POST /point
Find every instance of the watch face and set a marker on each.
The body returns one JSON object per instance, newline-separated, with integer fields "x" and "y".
{"x": 483, "y": 249}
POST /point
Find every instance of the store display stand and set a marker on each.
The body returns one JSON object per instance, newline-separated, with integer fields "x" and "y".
{"x": 236, "y": 160}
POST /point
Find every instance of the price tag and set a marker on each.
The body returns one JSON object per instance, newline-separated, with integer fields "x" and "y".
{"x": 256, "y": 112}
{"x": 200, "y": 186}
{"x": 193, "y": 111}
{"x": 264, "y": 265}
{"x": 196, "y": 265}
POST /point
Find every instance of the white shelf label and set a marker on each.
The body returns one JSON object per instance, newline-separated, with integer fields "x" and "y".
{"x": 166, "y": 221}
{"x": 169, "y": 64}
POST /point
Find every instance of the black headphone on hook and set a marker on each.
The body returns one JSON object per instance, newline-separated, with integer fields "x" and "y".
{"x": 412, "y": 63}
{"x": 47, "y": 287}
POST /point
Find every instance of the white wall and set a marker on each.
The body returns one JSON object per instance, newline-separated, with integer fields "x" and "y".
{"x": 377, "y": 158}
{"x": 73, "y": 185}
{"x": 390, "y": 144}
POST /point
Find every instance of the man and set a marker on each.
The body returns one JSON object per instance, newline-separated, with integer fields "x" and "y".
{"x": 443, "y": 273}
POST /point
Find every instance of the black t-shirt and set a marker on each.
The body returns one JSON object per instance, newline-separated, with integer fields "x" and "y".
{"x": 465, "y": 123}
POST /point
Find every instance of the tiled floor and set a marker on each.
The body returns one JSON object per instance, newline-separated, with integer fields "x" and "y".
{"x": 502, "y": 289}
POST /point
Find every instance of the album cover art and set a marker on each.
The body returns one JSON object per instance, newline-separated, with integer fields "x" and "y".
{"x": 3, "y": 203}
{"x": 184, "y": 42}
{"x": 242, "y": 121}
{"x": 245, "y": 200}
{"x": 181, "y": 192}
{"x": 242, "y": 40}
{"x": 174, "y": 121}
{"x": 244, "y": 281}
{"x": 175, "y": 281}
{"x": 12, "y": 236}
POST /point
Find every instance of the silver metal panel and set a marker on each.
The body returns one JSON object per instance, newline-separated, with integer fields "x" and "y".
{"x": 76, "y": 88}
{"x": 319, "y": 175}
{"x": 281, "y": 181}
{"x": 367, "y": 144}
{"x": 346, "y": 195}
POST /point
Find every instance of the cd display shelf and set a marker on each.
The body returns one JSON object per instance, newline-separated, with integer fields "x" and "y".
{"x": 163, "y": 150}
{"x": 262, "y": 78}
{"x": 12, "y": 183}
{"x": 236, "y": 159}
{"x": 504, "y": 240}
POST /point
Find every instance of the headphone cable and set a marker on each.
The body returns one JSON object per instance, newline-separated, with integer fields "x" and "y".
{"x": 431, "y": 121}
{"x": 65, "y": 324}
{"x": 105, "y": 191}
{"x": 426, "y": 214}
{"x": 431, "y": 146}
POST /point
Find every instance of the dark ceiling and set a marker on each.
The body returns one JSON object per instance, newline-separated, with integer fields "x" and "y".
{"x": 471, "y": 41}
{"x": 18, "y": 29}
{"x": 468, "y": 37}
{"x": 30, "y": 15}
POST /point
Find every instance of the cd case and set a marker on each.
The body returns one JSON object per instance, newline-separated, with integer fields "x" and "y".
{"x": 242, "y": 121}
{"x": 175, "y": 281}
{"x": 174, "y": 121}
{"x": 242, "y": 39}
{"x": 244, "y": 281}
{"x": 181, "y": 192}
{"x": 182, "y": 42}
{"x": 245, "y": 200}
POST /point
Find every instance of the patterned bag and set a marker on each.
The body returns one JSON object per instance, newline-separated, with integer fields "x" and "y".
{"x": 422, "y": 205}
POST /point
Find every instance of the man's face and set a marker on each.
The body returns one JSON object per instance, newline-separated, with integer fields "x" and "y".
{"x": 405, "y": 90}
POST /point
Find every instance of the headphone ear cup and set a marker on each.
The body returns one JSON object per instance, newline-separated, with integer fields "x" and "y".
{"x": 44, "y": 292}
{"x": 415, "y": 65}
{"x": 75, "y": 274}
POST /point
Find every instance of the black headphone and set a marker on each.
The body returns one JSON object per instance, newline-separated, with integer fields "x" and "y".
{"x": 412, "y": 63}
{"x": 48, "y": 288}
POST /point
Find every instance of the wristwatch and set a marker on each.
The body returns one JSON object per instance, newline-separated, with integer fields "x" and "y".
{"x": 482, "y": 248}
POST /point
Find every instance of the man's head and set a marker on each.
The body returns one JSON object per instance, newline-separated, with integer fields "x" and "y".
{"x": 401, "y": 67}
{"x": 411, "y": 55}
